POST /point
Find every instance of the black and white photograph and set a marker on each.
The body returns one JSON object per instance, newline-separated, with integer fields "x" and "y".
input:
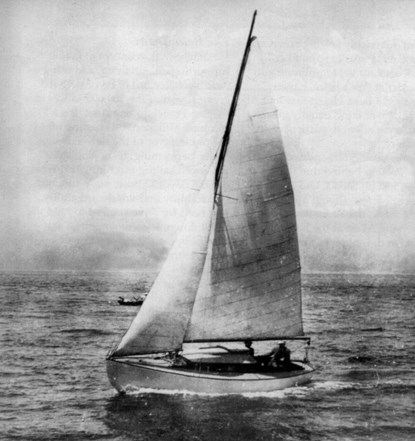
{"x": 207, "y": 220}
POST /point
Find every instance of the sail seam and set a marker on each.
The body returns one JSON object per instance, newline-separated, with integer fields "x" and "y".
{"x": 227, "y": 326}
{"x": 263, "y": 293}
{"x": 293, "y": 330}
{"x": 284, "y": 206}
{"x": 253, "y": 224}
{"x": 244, "y": 213}
{"x": 266, "y": 235}
{"x": 265, "y": 129}
{"x": 275, "y": 174}
{"x": 262, "y": 184}
{"x": 271, "y": 271}
{"x": 272, "y": 237}
{"x": 273, "y": 301}
{"x": 264, "y": 113}
{"x": 260, "y": 158}
{"x": 255, "y": 251}
{"x": 272, "y": 143}
{"x": 249, "y": 273}
{"x": 262, "y": 260}
{"x": 288, "y": 330}
{"x": 271, "y": 282}
{"x": 257, "y": 272}
{"x": 259, "y": 151}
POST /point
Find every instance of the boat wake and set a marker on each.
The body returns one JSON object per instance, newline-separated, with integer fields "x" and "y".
{"x": 134, "y": 391}
{"x": 296, "y": 391}
{"x": 337, "y": 385}
{"x": 306, "y": 390}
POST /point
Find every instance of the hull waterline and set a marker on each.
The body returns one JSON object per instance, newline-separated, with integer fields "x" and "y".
{"x": 126, "y": 376}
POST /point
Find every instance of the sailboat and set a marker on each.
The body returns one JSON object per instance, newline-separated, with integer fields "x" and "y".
{"x": 232, "y": 276}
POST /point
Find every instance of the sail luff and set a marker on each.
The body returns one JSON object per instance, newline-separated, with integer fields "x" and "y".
{"x": 228, "y": 128}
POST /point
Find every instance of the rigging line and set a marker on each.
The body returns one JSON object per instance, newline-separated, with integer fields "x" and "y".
{"x": 208, "y": 168}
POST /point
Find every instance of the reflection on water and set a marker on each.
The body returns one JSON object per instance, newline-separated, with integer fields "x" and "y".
{"x": 175, "y": 417}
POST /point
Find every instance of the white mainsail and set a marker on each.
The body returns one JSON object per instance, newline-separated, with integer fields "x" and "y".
{"x": 251, "y": 282}
{"x": 234, "y": 271}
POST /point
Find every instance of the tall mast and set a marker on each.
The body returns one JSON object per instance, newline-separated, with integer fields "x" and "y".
{"x": 226, "y": 135}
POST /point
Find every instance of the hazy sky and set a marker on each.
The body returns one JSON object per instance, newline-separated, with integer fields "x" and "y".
{"x": 111, "y": 112}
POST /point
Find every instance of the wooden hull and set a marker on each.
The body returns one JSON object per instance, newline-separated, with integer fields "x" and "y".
{"x": 126, "y": 376}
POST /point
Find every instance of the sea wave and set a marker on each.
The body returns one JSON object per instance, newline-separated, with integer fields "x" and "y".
{"x": 54, "y": 343}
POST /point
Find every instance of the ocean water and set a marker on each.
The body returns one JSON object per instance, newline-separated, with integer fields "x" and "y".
{"x": 56, "y": 328}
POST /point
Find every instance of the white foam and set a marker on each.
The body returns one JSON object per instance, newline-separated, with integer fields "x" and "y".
{"x": 335, "y": 385}
{"x": 296, "y": 391}
{"x": 131, "y": 390}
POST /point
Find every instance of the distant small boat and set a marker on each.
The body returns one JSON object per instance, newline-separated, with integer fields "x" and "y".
{"x": 380, "y": 329}
{"x": 136, "y": 301}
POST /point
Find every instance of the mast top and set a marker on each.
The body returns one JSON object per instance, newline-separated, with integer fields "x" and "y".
{"x": 227, "y": 133}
